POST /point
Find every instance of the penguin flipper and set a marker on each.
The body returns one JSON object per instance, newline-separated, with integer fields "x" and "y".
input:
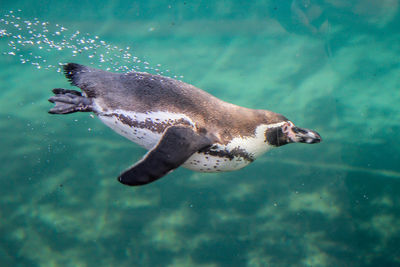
{"x": 176, "y": 145}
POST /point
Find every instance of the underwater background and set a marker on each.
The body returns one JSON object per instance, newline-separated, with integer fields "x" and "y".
{"x": 328, "y": 65}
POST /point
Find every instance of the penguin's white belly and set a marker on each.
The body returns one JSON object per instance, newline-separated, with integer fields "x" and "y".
{"x": 145, "y": 129}
{"x": 206, "y": 163}
{"x": 141, "y": 136}
{"x": 239, "y": 153}
{"x": 148, "y": 139}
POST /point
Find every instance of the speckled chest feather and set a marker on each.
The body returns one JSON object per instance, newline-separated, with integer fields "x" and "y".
{"x": 146, "y": 129}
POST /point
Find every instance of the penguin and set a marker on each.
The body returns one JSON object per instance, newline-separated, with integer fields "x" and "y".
{"x": 179, "y": 124}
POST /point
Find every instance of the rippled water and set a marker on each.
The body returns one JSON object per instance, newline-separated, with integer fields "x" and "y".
{"x": 328, "y": 65}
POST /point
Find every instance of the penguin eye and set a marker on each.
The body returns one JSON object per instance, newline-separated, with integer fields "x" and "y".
{"x": 286, "y": 127}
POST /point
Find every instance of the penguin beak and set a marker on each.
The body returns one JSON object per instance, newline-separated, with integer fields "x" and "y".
{"x": 301, "y": 135}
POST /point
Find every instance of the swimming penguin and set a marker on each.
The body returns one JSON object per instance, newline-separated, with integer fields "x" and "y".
{"x": 179, "y": 124}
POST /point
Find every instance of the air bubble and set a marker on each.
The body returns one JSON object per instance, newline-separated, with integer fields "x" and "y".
{"x": 48, "y": 46}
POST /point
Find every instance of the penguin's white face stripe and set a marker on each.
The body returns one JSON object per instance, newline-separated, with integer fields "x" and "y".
{"x": 254, "y": 145}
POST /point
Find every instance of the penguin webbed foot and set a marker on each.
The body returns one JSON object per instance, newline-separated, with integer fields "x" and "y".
{"x": 69, "y": 101}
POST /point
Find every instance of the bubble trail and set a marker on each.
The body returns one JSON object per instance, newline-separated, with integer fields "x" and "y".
{"x": 39, "y": 43}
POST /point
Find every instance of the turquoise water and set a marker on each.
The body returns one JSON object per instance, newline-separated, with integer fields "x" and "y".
{"x": 328, "y": 65}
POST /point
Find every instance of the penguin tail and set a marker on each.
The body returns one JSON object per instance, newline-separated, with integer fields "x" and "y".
{"x": 72, "y": 71}
{"x": 83, "y": 77}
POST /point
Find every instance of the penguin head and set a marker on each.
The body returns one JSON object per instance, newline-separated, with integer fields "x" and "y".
{"x": 289, "y": 133}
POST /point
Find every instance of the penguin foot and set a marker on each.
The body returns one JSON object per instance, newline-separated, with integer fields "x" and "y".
{"x": 69, "y": 101}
